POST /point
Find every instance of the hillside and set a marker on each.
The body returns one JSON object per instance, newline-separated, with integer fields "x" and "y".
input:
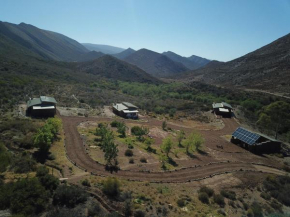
{"x": 89, "y": 56}
{"x": 122, "y": 55}
{"x": 38, "y": 42}
{"x": 267, "y": 68}
{"x": 106, "y": 49}
{"x": 155, "y": 64}
{"x": 112, "y": 68}
{"x": 193, "y": 62}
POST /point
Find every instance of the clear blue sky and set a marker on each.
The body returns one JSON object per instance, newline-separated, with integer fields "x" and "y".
{"x": 215, "y": 29}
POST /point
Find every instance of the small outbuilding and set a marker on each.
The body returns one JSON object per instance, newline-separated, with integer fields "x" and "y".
{"x": 126, "y": 110}
{"x": 223, "y": 109}
{"x": 254, "y": 142}
{"x": 43, "y": 106}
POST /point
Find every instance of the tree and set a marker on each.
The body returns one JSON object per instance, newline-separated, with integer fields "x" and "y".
{"x": 139, "y": 132}
{"x": 55, "y": 125}
{"x": 48, "y": 181}
{"x": 111, "y": 186}
{"x": 110, "y": 149}
{"x": 195, "y": 140}
{"x": 69, "y": 196}
{"x": 43, "y": 139}
{"x": 180, "y": 137}
{"x": 167, "y": 145}
{"x": 29, "y": 197}
{"x": 122, "y": 129}
{"x": 164, "y": 125}
{"x": 275, "y": 116}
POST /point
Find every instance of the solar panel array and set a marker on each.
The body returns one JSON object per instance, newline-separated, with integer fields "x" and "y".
{"x": 246, "y": 136}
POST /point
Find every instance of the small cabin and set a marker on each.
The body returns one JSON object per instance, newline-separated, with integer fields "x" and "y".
{"x": 254, "y": 142}
{"x": 223, "y": 109}
{"x": 126, "y": 110}
{"x": 43, "y": 106}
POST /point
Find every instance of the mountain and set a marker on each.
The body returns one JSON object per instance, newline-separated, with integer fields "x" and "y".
{"x": 113, "y": 68}
{"x": 106, "y": 49}
{"x": 124, "y": 53}
{"x": 155, "y": 63}
{"x": 267, "y": 68}
{"x": 193, "y": 62}
{"x": 89, "y": 56}
{"x": 41, "y": 43}
{"x": 199, "y": 61}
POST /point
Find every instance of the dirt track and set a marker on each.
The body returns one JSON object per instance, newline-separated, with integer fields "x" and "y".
{"x": 77, "y": 154}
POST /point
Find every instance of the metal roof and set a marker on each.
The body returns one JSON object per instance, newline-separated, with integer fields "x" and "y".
{"x": 246, "y": 136}
{"x": 130, "y": 105}
{"x": 38, "y": 101}
{"x": 130, "y": 111}
{"x": 120, "y": 106}
{"x": 221, "y": 105}
{"x": 223, "y": 110}
{"x": 47, "y": 99}
{"x": 33, "y": 102}
{"x": 43, "y": 107}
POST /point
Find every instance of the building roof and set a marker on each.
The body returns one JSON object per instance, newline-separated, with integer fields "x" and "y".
{"x": 129, "y": 105}
{"x": 221, "y": 105}
{"x": 130, "y": 111}
{"x": 250, "y": 137}
{"x": 47, "y": 99}
{"x": 223, "y": 110}
{"x": 43, "y": 107}
{"x": 246, "y": 136}
{"x": 120, "y": 106}
{"x": 39, "y": 101}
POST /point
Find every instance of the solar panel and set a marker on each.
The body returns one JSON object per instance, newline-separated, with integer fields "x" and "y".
{"x": 246, "y": 136}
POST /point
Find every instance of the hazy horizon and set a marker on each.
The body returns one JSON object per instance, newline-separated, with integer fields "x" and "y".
{"x": 217, "y": 30}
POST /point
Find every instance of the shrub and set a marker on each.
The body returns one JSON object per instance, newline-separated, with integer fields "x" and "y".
{"x": 203, "y": 197}
{"x": 111, "y": 186}
{"x": 143, "y": 160}
{"x": 250, "y": 213}
{"x": 28, "y": 197}
{"x": 219, "y": 199}
{"x": 131, "y": 160}
{"x": 129, "y": 153}
{"x": 24, "y": 164}
{"x": 207, "y": 190}
{"x": 139, "y": 213}
{"x": 115, "y": 123}
{"x": 86, "y": 182}
{"x": 257, "y": 209}
{"x": 180, "y": 202}
{"x": 5, "y": 158}
{"x": 276, "y": 205}
{"x": 49, "y": 182}
{"x": 229, "y": 194}
{"x": 69, "y": 196}
{"x": 265, "y": 196}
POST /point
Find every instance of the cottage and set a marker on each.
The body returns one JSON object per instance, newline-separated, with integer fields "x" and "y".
{"x": 41, "y": 107}
{"x": 254, "y": 142}
{"x": 126, "y": 110}
{"x": 224, "y": 109}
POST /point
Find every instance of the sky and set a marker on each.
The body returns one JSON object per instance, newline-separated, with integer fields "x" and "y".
{"x": 215, "y": 29}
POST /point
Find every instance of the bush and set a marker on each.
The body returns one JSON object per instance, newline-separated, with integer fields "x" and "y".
{"x": 28, "y": 197}
{"x": 131, "y": 161}
{"x": 250, "y": 213}
{"x": 111, "y": 187}
{"x": 49, "y": 182}
{"x": 143, "y": 160}
{"x": 24, "y": 164}
{"x": 139, "y": 213}
{"x": 265, "y": 196}
{"x": 257, "y": 209}
{"x": 276, "y": 205}
{"x": 207, "y": 190}
{"x": 5, "y": 158}
{"x": 203, "y": 197}
{"x": 86, "y": 183}
{"x": 219, "y": 199}
{"x": 180, "y": 202}
{"x": 115, "y": 123}
{"x": 229, "y": 194}
{"x": 69, "y": 196}
{"x": 129, "y": 153}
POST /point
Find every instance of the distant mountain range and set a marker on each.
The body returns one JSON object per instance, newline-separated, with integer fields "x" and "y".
{"x": 154, "y": 63}
{"x": 193, "y": 62}
{"x": 122, "y": 55}
{"x": 267, "y": 68}
{"x": 106, "y": 49}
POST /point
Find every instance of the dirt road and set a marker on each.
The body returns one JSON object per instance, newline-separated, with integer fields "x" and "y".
{"x": 77, "y": 154}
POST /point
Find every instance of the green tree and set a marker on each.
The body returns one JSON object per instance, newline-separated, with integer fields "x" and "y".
{"x": 194, "y": 140}
{"x": 164, "y": 125}
{"x": 55, "y": 125}
{"x": 43, "y": 139}
{"x": 110, "y": 149}
{"x": 29, "y": 197}
{"x": 275, "y": 116}
{"x": 122, "y": 129}
{"x": 167, "y": 145}
{"x": 111, "y": 186}
{"x": 180, "y": 137}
